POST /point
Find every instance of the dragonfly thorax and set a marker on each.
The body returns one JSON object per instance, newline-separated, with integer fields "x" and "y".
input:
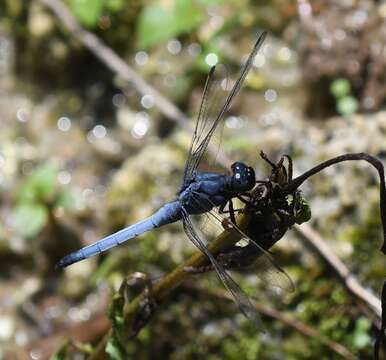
{"x": 243, "y": 177}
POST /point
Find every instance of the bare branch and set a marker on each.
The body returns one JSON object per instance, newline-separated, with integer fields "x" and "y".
{"x": 117, "y": 65}
{"x": 376, "y": 163}
{"x": 339, "y": 268}
{"x": 114, "y": 62}
{"x": 277, "y": 315}
{"x": 164, "y": 287}
{"x": 168, "y": 109}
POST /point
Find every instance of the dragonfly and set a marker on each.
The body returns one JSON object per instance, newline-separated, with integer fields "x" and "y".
{"x": 204, "y": 193}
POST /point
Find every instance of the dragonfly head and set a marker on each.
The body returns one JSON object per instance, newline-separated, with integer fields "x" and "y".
{"x": 243, "y": 177}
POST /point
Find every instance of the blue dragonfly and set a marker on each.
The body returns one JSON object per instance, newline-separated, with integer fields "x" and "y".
{"x": 204, "y": 193}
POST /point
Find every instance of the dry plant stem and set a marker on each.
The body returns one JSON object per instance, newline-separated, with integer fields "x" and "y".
{"x": 174, "y": 278}
{"x": 171, "y": 281}
{"x": 114, "y": 62}
{"x": 379, "y": 340}
{"x": 342, "y": 272}
{"x": 117, "y": 65}
{"x": 99, "y": 352}
{"x": 277, "y": 315}
{"x": 294, "y": 184}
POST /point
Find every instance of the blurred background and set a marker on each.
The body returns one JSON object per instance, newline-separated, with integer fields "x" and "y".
{"x": 84, "y": 152}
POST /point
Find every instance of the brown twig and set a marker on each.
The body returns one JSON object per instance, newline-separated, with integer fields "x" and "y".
{"x": 119, "y": 66}
{"x": 99, "y": 352}
{"x": 277, "y": 315}
{"x": 350, "y": 282}
{"x": 339, "y": 268}
{"x": 382, "y": 329}
{"x": 376, "y": 163}
{"x": 163, "y": 288}
{"x": 114, "y": 62}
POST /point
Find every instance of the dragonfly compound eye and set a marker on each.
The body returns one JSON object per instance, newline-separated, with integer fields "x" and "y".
{"x": 243, "y": 178}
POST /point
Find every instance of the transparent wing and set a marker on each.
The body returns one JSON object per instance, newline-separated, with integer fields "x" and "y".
{"x": 215, "y": 91}
{"x": 240, "y": 297}
{"x": 262, "y": 264}
{"x": 272, "y": 276}
{"x": 215, "y": 103}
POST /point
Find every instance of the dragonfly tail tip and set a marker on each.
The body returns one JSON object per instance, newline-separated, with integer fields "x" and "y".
{"x": 64, "y": 262}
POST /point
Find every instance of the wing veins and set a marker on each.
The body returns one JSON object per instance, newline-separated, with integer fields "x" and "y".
{"x": 195, "y": 155}
{"x": 201, "y": 117}
{"x": 239, "y": 296}
{"x": 264, "y": 253}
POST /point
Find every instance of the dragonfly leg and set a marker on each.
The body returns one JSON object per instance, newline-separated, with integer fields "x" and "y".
{"x": 221, "y": 208}
{"x": 245, "y": 201}
{"x": 228, "y": 211}
{"x": 231, "y": 210}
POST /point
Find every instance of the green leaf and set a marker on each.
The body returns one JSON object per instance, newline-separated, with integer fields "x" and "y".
{"x": 340, "y": 87}
{"x": 66, "y": 200}
{"x": 303, "y": 211}
{"x": 114, "y": 350}
{"x": 87, "y": 12}
{"x": 30, "y": 219}
{"x": 347, "y": 105}
{"x": 160, "y": 22}
{"x": 361, "y": 338}
{"x": 114, "y": 5}
{"x": 213, "y": 2}
{"x": 40, "y": 185}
